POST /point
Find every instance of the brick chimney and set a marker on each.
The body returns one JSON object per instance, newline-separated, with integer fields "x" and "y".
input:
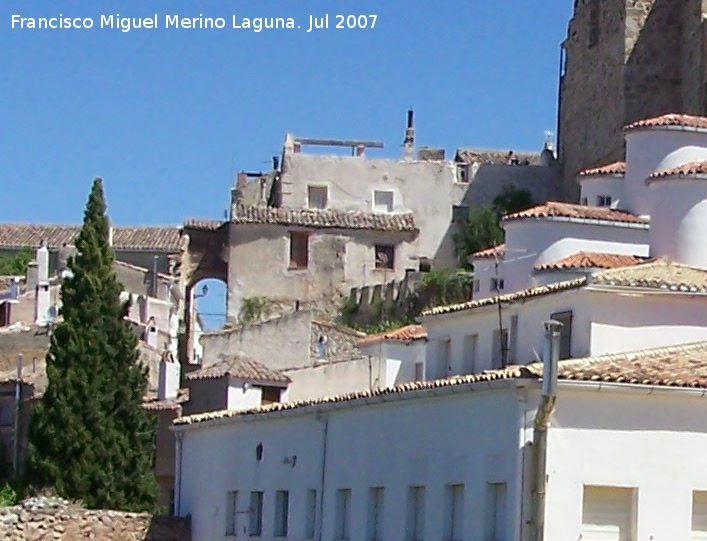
{"x": 409, "y": 142}
{"x": 241, "y": 179}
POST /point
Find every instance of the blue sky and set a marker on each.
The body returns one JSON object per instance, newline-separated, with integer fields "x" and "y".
{"x": 168, "y": 116}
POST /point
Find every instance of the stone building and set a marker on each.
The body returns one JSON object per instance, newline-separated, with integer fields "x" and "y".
{"x": 624, "y": 60}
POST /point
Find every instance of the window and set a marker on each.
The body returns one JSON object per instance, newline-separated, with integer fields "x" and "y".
{"x": 374, "y": 523}
{"x": 699, "y": 515}
{"x": 462, "y": 172}
{"x": 495, "y": 512}
{"x": 311, "y": 514}
{"x": 608, "y": 513}
{"x": 382, "y": 201}
{"x": 565, "y": 333}
{"x": 385, "y": 256}
{"x": 282, "y": 505}
{"x": 317, "y": 197}
{"x": 470, "y": 345}
{"x": 497, "y": 284}
{"x": 299, "y": 250}
{"x": 594, "y": 20}
{"x": 454, "y": 513}
{"x": 255, "y": 526}
{"x": 419, "y": 372}
{"x": 415, "y": 516}
{"x": 270, "y": 395}
{"x": 443, "y": 367}
{"x": 231, "y": 513}
{"x": 343, "y": 514}
{"x": 460, "y": 213}
{"x": 603, "y": 200}
{"x": 500, "y": 348}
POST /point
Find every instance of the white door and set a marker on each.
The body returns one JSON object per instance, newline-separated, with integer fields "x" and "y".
{"x": 608, "y": 514}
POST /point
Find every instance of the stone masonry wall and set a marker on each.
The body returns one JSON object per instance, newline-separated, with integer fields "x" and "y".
{"x": 57, "y": 520}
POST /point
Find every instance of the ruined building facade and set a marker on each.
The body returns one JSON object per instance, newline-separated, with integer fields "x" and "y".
{"x": 624, "y": 60}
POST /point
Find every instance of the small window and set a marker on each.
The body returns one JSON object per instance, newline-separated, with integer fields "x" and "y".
{"x": 460, "y": 213}
{"x": 497, "y": 284}
{"x": 231, "y": 513}
{"x": 594, "y": 23}
{"x": 270, "y": 395}
{"x": 375, "y": 514}
{"x": 282, "y": 507}
{"x": 603, "y": 200}
{"x": 299, "y": 250}
{"x": 382, "y": 201}
{"x": 255, "y": 526}
{"x": 454, "y": 511}
{"x": 565, "y": 333}
{"x": 310, "y": 517}
{"x": 343, "y": 514}
{"x": 385, "y": 256}
{"x": 415, "y": 517}
{"x": 463, "y": 172}
{"x": 470, "y": 345}
{"x": 317, "y": 197}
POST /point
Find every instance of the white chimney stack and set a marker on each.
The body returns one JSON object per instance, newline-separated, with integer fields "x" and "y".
{"x": 409, "y": 142}
{"x": 168, "y": 386}
{"x": 42, "y": 263}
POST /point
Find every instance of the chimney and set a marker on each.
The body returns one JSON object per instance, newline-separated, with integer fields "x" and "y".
{"x": 151, "y": 334}
{"x": 14, "y": 289}
{"x": 31, "y": 276}
{"x": 42, "y": 262}
{"x": 297, "y": 147}
{"x": 41, "y": 303}
{"x": 551, "y": 355}
{"x": 242, "y": 179}
{"x": 168, "y": 385}
{"x": 409, "y": 142}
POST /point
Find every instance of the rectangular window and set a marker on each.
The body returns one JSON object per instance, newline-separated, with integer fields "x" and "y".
{"x": 419, "y": 372}
{"x": 374, "y": 523}
{"x": 565, "y": 333}
{"x": 470, "y": 344}
{"x": 343, "y": 514}
{"x": 255, "y": 526}
{"x": 460, "y": 213}
{"x": 608, "y": 513}
{"x": 500, "y": 348}
{"x": 382, "y": 201}
{"x": 497, "y": 284}
{"x": 385, "y": 256}
{"x": 443, "y": 368}
{"x": 699, "y": 515}
{"x": 415, "y": 516}
{"x": 282, "y": 510}
{"x": 231, "y": 513}
{"x": 299, "y": 250}
{"x": 496, "y": 512}
{"x": 594, "y": 22}
{"x": 317, "y": 197}
{"x": 603, "y": 200}
{"x": 463, "y": 172}
{"x": 311, "y": 514}
{"x": 454, "y": 513}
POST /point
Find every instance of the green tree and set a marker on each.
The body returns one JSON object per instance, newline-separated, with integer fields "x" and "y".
{"x": 15, "y": 265}
{"x": 480, "y": 231}
{"x": 90, "y": 439}
{"x": 512, "y": 200}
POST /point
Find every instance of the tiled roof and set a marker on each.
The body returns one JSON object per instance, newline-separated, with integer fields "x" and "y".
{"x": 341, "y": 328}
{"x": 592, "y": 260}
{"x": 322, "y": 219}
{"x": 148, "y": 238}
{"x": 521, "y": 295}
{"x": 676, "y": 366}
{"x": 494, "y": 157}
{"x": 659, "y": 274}
{"x": 499, "y": 250}
{"x": 616, "y": 168}
{"x": 408, "y": 333}
{"x": 553, "y": 209}
{"x": 692, "y": 168}
{"x": 672, "y": 119}
{"x": 203, "y": 225}
{"x": 153, "y": 404}
{"x": 239, "y": 366}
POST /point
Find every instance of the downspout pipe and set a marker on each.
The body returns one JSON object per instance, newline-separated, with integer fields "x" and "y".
{"x": 543, "y": 419}
{"x": 324, "y": 419}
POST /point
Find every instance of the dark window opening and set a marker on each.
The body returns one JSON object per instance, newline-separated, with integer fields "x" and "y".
{"x": 299, "y": 250}
{"x": 270, "y": 395}
{"x": 565, "y": 333}
{"x": 385, "y": 256}
{"x": 460, "y": 213}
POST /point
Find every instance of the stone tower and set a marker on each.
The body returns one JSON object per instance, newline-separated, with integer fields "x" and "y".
{"x": 624, "y": 60}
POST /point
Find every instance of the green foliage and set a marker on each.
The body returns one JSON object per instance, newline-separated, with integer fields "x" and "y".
{"x": 90, "y": 438}
{"x": 512, "y": 200}
{"x": 254, "y": 309}
{"x": 16, "y": 265}
{"x": 8, "y": 496}
{"x": 446, "y": 286}
{"x": 381, "y": 326}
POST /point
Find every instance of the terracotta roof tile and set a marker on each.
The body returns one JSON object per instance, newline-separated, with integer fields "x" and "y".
{"x": 692, "y": 168}
{"x": 494, "y": 157}
{"x": 499, "y": 250}
{"x": 148, "y": 238}
{"x": 322, "y": 219}
{"x": 239, "y": 366}
{"x": 659, "y": 274}
{"x": 554, "y": 209}
{"x": 672, "y": 119}
{"x": 203, "y": 225}
{"x": 408, "y": 333}
{"x": 521, "y": 295}
{"x": 616, "y": 168}
{"x": 684, "y": 366}
{"x": 592, "y": 260}
{"x": 153, "y": 404}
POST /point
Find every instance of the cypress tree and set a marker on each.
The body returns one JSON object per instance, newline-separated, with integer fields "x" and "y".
{"x": 90, "y": 439}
